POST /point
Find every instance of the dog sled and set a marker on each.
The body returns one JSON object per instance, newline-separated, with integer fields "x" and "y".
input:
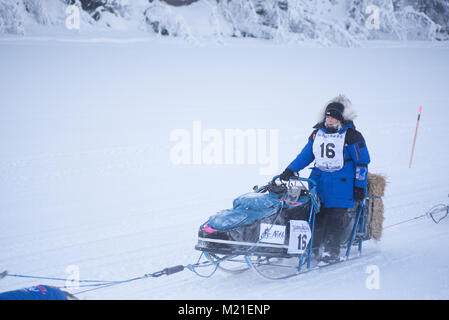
{"x": 271, "y": 230}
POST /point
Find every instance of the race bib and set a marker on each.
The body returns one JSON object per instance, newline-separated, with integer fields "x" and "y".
{"x": 299, "y": 236}
{"x": 328, "y": 151}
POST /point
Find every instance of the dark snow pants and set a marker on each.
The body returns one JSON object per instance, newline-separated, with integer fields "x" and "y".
{"x": 331, "y": 228}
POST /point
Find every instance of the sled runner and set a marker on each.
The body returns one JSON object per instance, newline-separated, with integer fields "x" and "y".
{"x": 274, "y": 226}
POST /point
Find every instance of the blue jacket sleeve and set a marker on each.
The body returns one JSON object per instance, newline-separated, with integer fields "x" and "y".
{"x": 304, "y": 158}
{"x": 361, "y": 158}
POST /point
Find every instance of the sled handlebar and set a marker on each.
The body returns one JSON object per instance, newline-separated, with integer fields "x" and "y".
{"x": 296, "y": 178}
{"x": 272, "y": 182}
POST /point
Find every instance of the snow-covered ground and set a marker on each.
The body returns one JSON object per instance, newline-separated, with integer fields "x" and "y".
{"x": 88, "y": 180}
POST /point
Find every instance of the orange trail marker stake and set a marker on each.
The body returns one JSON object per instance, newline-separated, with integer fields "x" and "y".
{"x": 414, "y": 139}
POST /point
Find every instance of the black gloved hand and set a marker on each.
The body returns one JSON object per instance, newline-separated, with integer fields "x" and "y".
{"x": 285, "y": 176}
{"x": 359, "y": 193}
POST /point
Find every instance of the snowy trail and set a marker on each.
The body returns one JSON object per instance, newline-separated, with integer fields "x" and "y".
{"x": 86, "y": 178}
{"x": 395, "y": 267}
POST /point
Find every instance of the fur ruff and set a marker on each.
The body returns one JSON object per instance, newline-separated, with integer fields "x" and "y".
{"x": 349, "y": 112}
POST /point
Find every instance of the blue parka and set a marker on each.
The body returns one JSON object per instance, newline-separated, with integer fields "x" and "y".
{"x": 336, "y": 189}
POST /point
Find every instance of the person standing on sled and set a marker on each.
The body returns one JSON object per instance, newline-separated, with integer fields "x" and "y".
{"x": 341, "y": 172}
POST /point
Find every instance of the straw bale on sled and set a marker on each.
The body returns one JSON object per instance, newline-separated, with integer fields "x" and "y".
{"x": 375, "y": 214}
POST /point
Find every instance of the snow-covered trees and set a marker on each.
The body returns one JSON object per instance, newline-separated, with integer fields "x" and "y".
{"x": 10, "y": 18}
{"x": 342, "y": 22}
{"x": 96, "y": 7}
{"x": 13, "y": 14}
{"x": 435, "y": 10}
{"x": 164, "y": 21}
{"x": 334, "y": 21}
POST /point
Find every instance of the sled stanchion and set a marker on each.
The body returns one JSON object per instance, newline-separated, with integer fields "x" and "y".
{"x": 312, "y": 238}
{"x": 311, "y": 221}
{"x": 360, "y": 221}
{"x": 354, "y": 228}
{"x": 362, "y": 226}
{"x": 313, "y": 213}
{"x": 248, "y": 262}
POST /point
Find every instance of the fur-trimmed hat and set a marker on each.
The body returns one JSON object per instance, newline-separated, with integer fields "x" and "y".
{"x": 339, "y": 108}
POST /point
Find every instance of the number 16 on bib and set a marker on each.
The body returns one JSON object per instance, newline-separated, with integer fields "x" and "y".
{"x": 299, "y": 236}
